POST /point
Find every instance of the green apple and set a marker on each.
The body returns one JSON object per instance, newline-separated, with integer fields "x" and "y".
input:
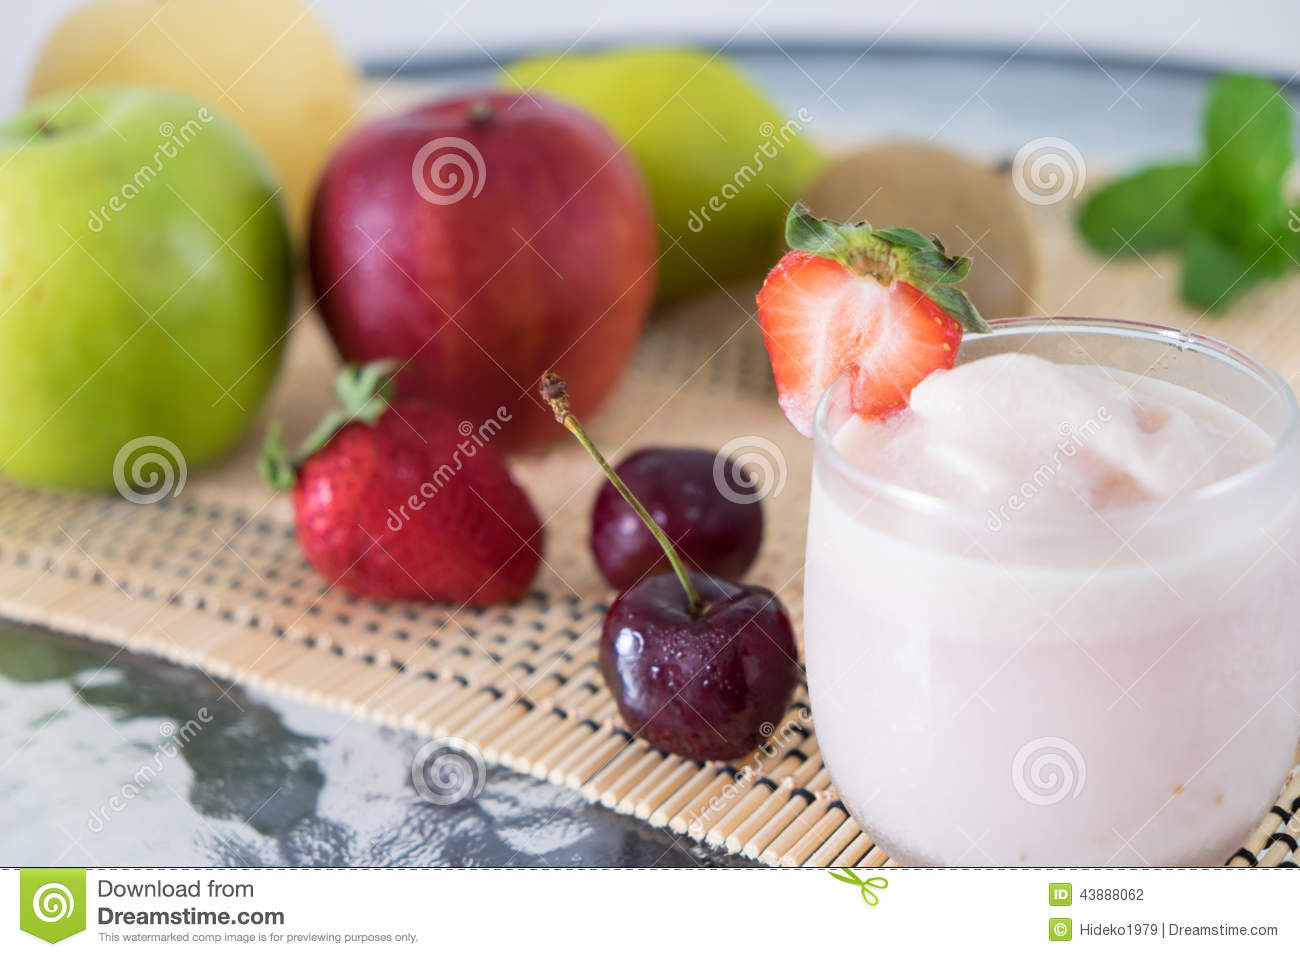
{"x": 723, "y": 164}
{"x": 145, "y": 282}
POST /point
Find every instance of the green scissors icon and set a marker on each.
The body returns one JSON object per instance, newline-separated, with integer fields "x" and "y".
{"x": 864, "y": 884}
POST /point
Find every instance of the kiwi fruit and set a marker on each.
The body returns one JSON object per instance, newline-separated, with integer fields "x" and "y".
{"x": 971, "y": 206}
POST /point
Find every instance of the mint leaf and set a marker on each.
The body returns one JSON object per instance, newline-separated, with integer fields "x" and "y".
{"x": 1215, "y": 273}
{"x": 1291, "y": 238}
{"x": 1248, "y": 151}
{"x": 1227, "y": 212}
{"x": 1146, "y": 212}
{"x": 1248, "y": 135}
{"x": 1212, "y": 272}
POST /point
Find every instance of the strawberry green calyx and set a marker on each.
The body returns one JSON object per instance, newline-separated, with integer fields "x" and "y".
{"x": 363, "y": 390}
{"x": 888, "y": 255}
{"x": 275, "y": 466}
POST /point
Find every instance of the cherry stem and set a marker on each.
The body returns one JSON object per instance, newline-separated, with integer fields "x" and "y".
{"x": 556, "y": 393}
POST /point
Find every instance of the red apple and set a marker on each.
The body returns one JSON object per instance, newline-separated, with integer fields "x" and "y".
{"x": 485, "y": 239}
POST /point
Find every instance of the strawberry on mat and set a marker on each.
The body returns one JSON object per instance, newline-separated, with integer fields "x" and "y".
{"x": 398, "y": 501}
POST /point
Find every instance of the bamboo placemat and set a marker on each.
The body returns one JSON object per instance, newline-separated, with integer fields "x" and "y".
{"x": 213, "y": 578}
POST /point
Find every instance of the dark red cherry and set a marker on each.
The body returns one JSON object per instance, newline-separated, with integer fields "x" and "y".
{"x": 707, "y": 686}
{"x": 698, "y": 666}
{"x": 709, "y": 508}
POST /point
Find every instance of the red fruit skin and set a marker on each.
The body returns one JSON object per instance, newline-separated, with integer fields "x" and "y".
{"x": 709, "y": 687}
{"x": 679, "y": 487}
{"x": 820, "y": 320}
{"x": 413, "y": 508}
{"x": 551, "y": 263}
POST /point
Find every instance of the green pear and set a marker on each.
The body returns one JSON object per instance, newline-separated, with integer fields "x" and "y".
{"x": 722, "y": 163}
{"x": 145, "y": 284}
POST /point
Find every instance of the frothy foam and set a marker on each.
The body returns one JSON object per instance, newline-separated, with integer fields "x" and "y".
{"x": 1068, "y": 438}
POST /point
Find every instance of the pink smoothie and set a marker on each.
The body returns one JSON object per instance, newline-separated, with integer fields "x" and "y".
{"x": 1050, "y": 619}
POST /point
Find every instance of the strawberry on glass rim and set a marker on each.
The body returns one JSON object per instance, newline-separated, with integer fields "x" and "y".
{"x": 879, "y": 304}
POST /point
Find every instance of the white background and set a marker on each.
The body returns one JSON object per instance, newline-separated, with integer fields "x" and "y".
{"x": 1260, "y": 35}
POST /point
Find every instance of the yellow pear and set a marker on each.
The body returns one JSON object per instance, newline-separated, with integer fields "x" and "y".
{"x": 268, "y": 65}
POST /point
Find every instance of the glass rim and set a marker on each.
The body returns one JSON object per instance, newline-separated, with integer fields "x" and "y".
{"x": 1182, "y": 339}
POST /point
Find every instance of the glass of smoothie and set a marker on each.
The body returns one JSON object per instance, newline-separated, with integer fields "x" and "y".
{"x": 1051, "y": 608}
